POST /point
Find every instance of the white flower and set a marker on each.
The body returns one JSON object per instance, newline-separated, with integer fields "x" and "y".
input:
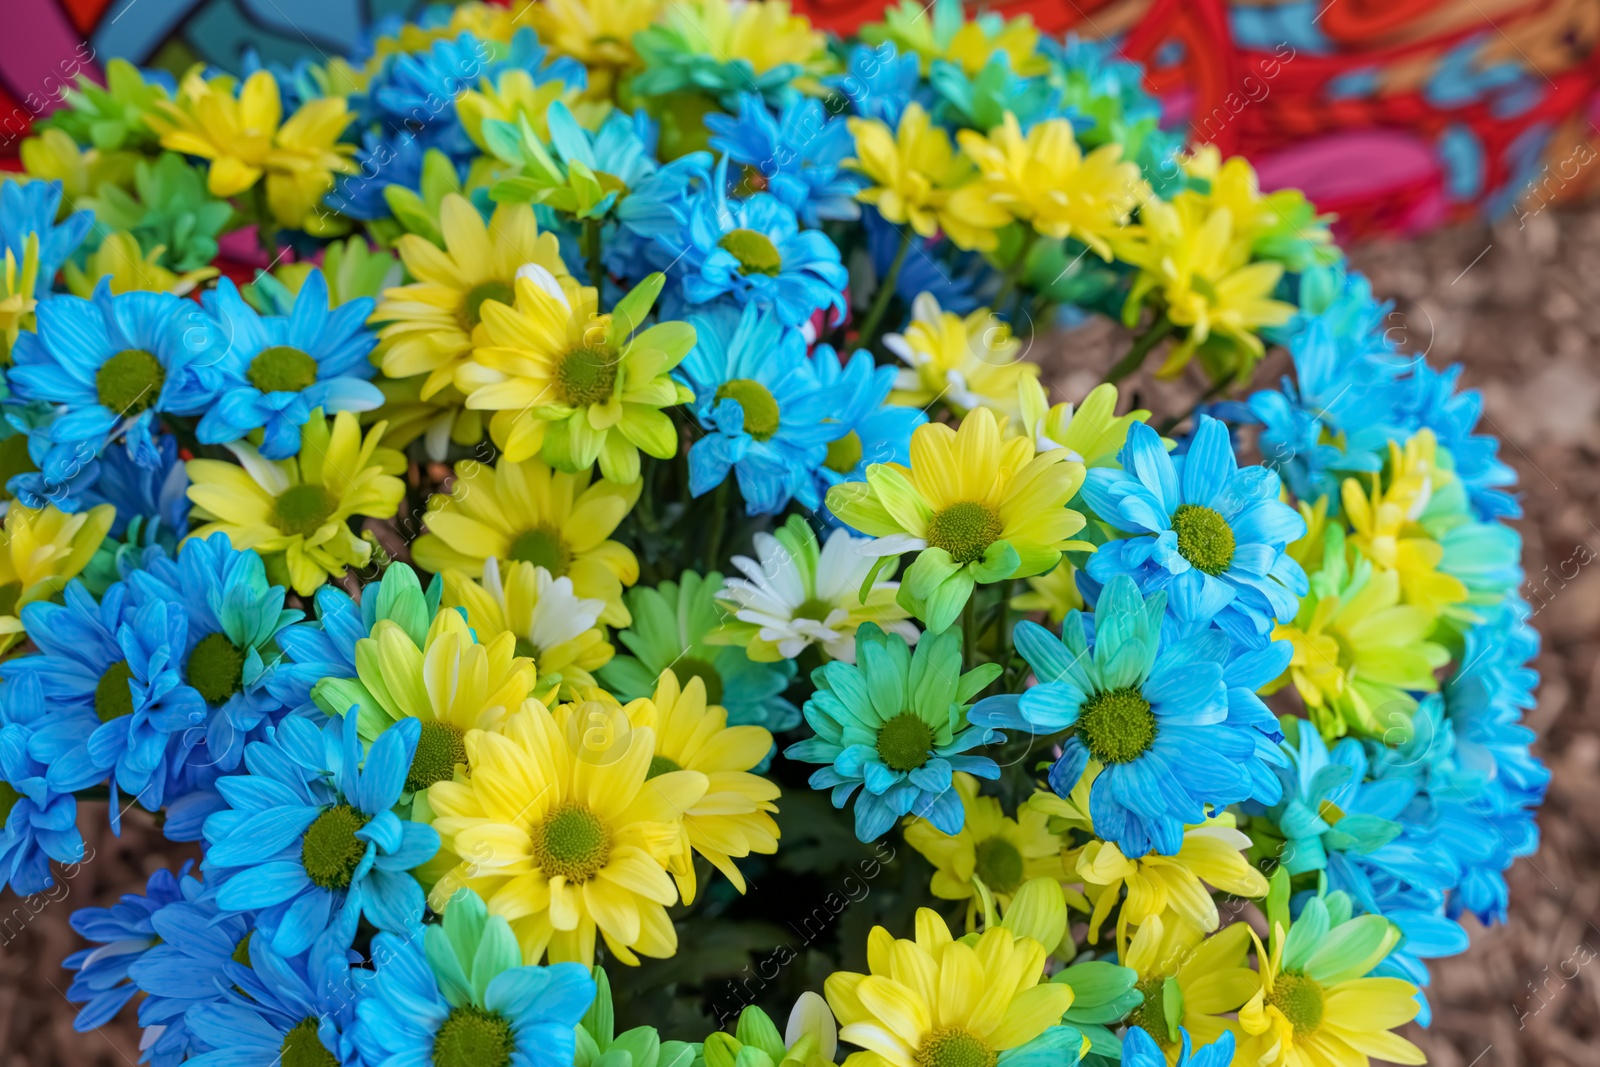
{"x": 557, "y": 614}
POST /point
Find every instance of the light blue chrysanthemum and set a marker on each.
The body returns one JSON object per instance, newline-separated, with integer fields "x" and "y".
{"x": 1210, "y": 534}
{"x": 125, "y": 932}
{"x": 983, "y": 100}
{"x": 309, "y": 840}
{"x": 875, "y": 430}
{"x": 894, "y": 725}
{"x": 1429, "y": 398}
{"x": 37, "y": 823}
{"x": 1139, "y": 1049}
{"x": 797, "y": 155}
{"x": 31, "y": 208}
{"x": 878, "y": 81}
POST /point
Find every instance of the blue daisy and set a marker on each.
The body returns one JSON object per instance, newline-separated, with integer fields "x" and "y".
{"x": 894, "y": 726}
{"x": 309, "y": 840}
{"x": 1139, "y": 1049}
{"x": 1154, "y": 715}
{"x": 1210, "y": 534}
{"x": 1429, "y": 398}
{"x": 763, "y": 409}
{"x": 277, "y": 369}
{"x": 878, "y": 81}
{"x": 125, "y": 932}
{"x": 155, "y": 496}
{"x": 76, "y": 467}
{"x": 114, "y": 363}
{"x": 875, "y": 430}
{"x": 798, "y": 155}
{"x": 382, "y": 160}
{"x": 28, "y": 208}
{"x": 39, "y": 823}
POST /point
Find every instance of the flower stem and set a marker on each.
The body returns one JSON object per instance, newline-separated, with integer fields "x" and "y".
{"x": 266, "y": 232}
{"x": 1013, "y": 274}
{"x": 591, "y": 252}
{"x": 1141, "y": 347}
{"x": 719, "y": 519}
{"x": 880, "y": 300}
{"x": 969, "y": 628}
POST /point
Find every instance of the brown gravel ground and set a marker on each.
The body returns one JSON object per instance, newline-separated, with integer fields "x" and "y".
{"x": 1521, "y": 307}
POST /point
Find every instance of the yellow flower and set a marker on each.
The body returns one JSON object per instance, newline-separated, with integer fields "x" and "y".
{"x": 40, "y": 552}
{"x": 598, "y": 33}
{"x": 576, "y": 385}
{"x": 764, "y": 35}
{"x": 734, "y": 818}
{"x": 245, "y": 138}
{"x": 1280, "y": 225}
{"x": 544, "y": 618}
{"x": 120, "y": 258}
{"x": 966, "y": 362}
{"x": 565, "y": 839}
{"x": 1045, "y": 180}
{"x": 526, "y": 512}
{"x": 1206, "y": 977}
{"x": 975, "y": 508}
{"x": 52, "y": 155}
{"x": 1055, "y": 593}
{"x": 296, "y": 512}
{"x": 992, "y": 848}
{"x": 512, "y": 97}
{"x": 944, "y": 34}
{"x": 917, "y": 178}
{"x": 938, "y": 1002}
{"x": 17, "y": 286}
{"x": 432, "y": 323}
{"x": 1092, "y": 434}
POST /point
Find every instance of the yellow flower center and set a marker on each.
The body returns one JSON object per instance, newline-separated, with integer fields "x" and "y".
{"x": 755, "y": 252}
{"x": 241, "y": 951}
{"x": 760, "y": 406}
{"x": 904, "y": 741}
{"x": 129, "y": 381}
{"x": 112, "y": 697}
{"x": 571, "y": 843}
{"x": 302, "y": 509}
{"x": 440, "y": 747}
{"x": 471, "y": 1036}
{"x": 999, "y": 864}
{"x": 687, "y": 667}
{"x": 330, "y": 850}
{"x": 954, "y": 1047}
{"x": 1300, "y": 999}
{"x": 815, "y": 609}
{"x": 844, "y": 454}
{"x": 1204, "y": 538}
{"x": 586, "y": 376}
{"x": 1117, "y": 726}
{"x": 965, "y": 530}
{"x": 215, "y": 668}
{"x": 472, "y": 307}
{"x": 302, "y": 1047}
{"x": 281, "y": 369}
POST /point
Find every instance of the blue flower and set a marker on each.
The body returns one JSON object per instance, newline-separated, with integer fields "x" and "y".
{"x": 277, "y": 369}
{"x": 126, "y": 931}
{"x": 309, "y": 840}
{"x": 875, "y": 431}
{"x": 1211, "y": 534}
{"x": 983, "y": 101}
{"x": 459, "y": 990}
{"x": 154, "y": 496}
{"x": 31, "y": 208}
{"x": 893, "y": 725}
{"x": 114, "y": 363}
{"x": 1155, "y": 715}
{"x": 763, "y": 409}
{"x": 382, "y": 160}
{"x": 879, "y": 82}
{"x": 798, "y": 155}
{"x": 929, "y": 266}
{"x": 1429, "y": 398}
{"x": 1139, "y": 1049}
{"x": 39, "y": 823}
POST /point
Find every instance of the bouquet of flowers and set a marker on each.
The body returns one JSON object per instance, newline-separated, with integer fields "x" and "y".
{"x": 558, "y": 511}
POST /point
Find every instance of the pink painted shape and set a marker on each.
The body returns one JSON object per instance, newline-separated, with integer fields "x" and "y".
{"x": 41, "y": 53}
{"x": 1348, "y": 166}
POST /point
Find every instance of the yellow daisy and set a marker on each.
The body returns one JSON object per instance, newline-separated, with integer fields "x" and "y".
{"x": 430, "y": 324}
{"x": 1054, "y": 592}
{"x": 565, "y": 841}
{"x": 576, "y": 385}
{"x": 296, "y": 512}
{"x": 968, "y": 44}
{"x": 1195, "y": 978}
{"x": 548, "y": 623}
{"x": 1092, "y": 433}
{"x": 525, "y": 512}
{"x": 966, "y": 363}
{"x": 41, "y": 550}
{"x": 938, "y": 1002}
{"x": 120, "y": 258}
{"x": 18, "y": 283}
{"x": 764, "y": 35}
{"x": 598, "y": 33}
{"x": 511, "y": 97}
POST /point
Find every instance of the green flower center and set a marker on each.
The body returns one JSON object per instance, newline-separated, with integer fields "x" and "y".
{"x": 302, "y": 509}
{"x": 755, "y": 252}
{"x": 215, "y": 668}
{"x": 1300, "y": 1000}
{"x": 844, "y": 455}
{"x": 542, "y": 547}
{"x": 302, "y": 1047}
{"x": 687, "y": 667}
{"x": 241, "y": 951}
{"x": 493, "y": 289}
{"x": 1117, "y": 726}
{"x": 112, "y": 697}
{"x": 439, "y": 748}
{"x": 1204, "y": 538}
{"x": 954, "y": 1047}
{"x": 760, "y": 407}
{"x": 586, "y": 376}
{"x": 331, "y": 851}
{"x": 814, "y": 609}
{"x": 129, "y": 381}
{"x": 1151, "y": 1014}
{"x": 571, "y": 842}
{"x": 473, "y": 1037}
{"x": 281, "y": 369}
{"x": 999, "y": 864}
{"x": 904, "y": 741}
{"x": 965, "y": 530}
{"x": 660, "y": 765}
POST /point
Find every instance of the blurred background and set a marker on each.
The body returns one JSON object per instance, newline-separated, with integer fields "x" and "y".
{"x": 1454, "y": 138}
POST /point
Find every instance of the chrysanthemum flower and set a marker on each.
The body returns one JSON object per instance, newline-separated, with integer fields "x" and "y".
{"x": 429, "y": 325}
{"x": 18, "y": 282}
{"x": 41, "y": 550}
{"x": 576, "y": 385}
{"x": 975, "y": 508}
{"x": 566, "y": 840}
{"x": 795, "y": 594}
{"x": 726, "y": 47}
{"x": 1140, "y": 1050}
{"x": 549, "y": 623}
{"x": 40, "y": 822}
{"x": 878, "y": 431}
{"x": 1198, "y": 979}
{"x": 938, "y": 1002}
{"x": 1280, "y": 226}
{"x": 894, "y": 725}
{"x": 948, "y": 35}
{"x": 968, "y": 362}
{"x": 527, "y": 513}
{"x": 512, "y": 96}
{"x": 599, "y": 33}
{"x": 1092, "y": 432}
{"x": 296, "y": 512}
{"x": 127, "y": 268}
{"x": 734, "y": 818}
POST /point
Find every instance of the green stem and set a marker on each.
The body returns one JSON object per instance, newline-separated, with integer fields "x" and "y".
{"x": 719, "y": 519}
{"x": 880, "y": 300}
{"x": 1171, "y": 423}
{"x": 591, "y": 252}
{"x": 969, "y": 628}
{"x": 266, "y": 230}
{"x": 1141, "y": 348}
{"x": 1013, "y": 274}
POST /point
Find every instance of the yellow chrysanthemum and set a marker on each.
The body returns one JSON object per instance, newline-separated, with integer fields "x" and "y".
{"x": 1001, "y": 852}
{"x": 1044, "y": 179}
{"x": 526, "y": 512}
{"x": 938, "y": 1002}
{"x": 245, "y": 138}
{"x": 1092, "y": 433}
{"x": 296, "y": 512}
{"x": 975, "y": 507}
{"x": 431, "y": 323}
{"x": 129, "y": 268}
{"x": 41, "y": 550}
{"x": 764, "y": 35}
{"x": 548, "y": 622}
{"x": 917, "y": 178}
{"x": 1199, "y": 979}
{"x": 512, "y": 97}
{"x": 576, "y": 385}
{"x": 598, "y": 33}
{"x": 1277, "y": 225}
{"x": 52, "y": 155}
{"x": 18, "y": 284}
{"x": 945, "y": 34}
{"x": 565, "y": 839}
{"x": 734, "y": 818}
{"x": 966, "y": 362}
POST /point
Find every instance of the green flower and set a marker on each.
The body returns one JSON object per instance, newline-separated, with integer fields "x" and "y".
{"x": 169, "y": 209}
{"x": 600, "y": 1046}
{"x": 112, "y": 117}
{"x": 756, "y": 1041}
